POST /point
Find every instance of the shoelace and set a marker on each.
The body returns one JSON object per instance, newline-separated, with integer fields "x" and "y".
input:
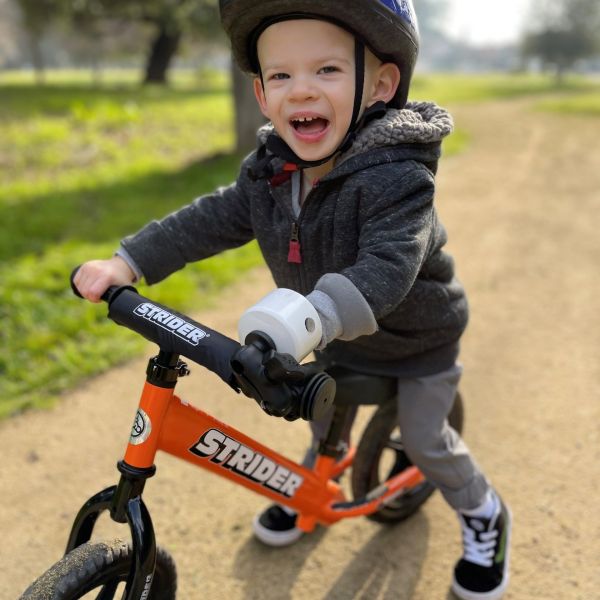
{"x": 479, "y": 551}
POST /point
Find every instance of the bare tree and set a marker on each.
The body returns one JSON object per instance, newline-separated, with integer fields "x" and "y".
{"x": 248, "y": 117}
{"x": 36, "y": 16}
{"x": 9, "y": 32}
{"x": 170, "y": 20}
{"x": 562, "y": 33}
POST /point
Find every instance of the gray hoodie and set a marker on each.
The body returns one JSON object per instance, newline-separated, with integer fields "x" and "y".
{"x": 367, "y": 235}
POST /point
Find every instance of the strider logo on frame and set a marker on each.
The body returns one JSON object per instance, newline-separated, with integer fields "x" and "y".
{"x": 173, "y": 323}
{"x": 233, "y": 455}
{"x": 141, "y": 429}
{"x": 147, "y": 587}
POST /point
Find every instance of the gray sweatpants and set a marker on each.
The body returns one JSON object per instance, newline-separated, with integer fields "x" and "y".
{"x": 431, "y": 444}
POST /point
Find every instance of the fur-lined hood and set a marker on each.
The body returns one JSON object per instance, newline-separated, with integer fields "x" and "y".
{"x": 417, "y": 123}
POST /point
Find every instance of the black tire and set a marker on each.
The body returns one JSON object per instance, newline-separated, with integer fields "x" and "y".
{"x": 382, "y": 438}
{"x": 100, "y": 568}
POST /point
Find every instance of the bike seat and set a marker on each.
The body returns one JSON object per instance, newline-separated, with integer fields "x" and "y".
{"x": 353, "y": 387}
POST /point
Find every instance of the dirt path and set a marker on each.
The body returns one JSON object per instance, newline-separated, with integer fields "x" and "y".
{"x": 522, "y": 210}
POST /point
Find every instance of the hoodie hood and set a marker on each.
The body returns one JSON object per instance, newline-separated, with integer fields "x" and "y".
{"x": 419, "y": 123}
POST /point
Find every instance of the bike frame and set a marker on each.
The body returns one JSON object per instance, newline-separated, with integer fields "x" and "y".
{"x": 166, "y": 423}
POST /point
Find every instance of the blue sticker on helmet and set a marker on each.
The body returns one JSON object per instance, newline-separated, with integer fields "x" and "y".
{"x": 402, "y": 8}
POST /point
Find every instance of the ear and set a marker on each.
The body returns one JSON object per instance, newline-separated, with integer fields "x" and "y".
{"x": 385, "y": 83}
{"x": 259, "y": 92}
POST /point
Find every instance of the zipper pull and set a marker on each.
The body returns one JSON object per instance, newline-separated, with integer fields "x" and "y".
{"x": 294, "y": 254}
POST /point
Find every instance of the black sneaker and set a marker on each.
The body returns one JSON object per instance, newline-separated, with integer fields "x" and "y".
{"x": 482, "y": 572}
{"x": 276, "y": 526}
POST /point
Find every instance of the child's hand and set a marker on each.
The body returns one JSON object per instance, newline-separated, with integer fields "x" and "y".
{"x": 94, "y": 277}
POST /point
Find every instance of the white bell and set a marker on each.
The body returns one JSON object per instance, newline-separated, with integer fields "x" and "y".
{"x": 288, "y": 318}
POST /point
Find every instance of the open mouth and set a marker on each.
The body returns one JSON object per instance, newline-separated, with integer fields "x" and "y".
{"x": 309, "y": 125}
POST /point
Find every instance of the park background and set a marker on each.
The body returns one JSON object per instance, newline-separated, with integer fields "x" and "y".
{"x": 115, "y": 113}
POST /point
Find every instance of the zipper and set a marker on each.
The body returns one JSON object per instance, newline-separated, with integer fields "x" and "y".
{"x": 295, "y": 251}
{"x": 294, "y": 246}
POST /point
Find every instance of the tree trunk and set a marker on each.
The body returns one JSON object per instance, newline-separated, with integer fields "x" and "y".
{"x": 164, "y": 47}
{"x": 37, "y": 57}
{"x": 248, "y": 117}
{"x": 560, "y": 74}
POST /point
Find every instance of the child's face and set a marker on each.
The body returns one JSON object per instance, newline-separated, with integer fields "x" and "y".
{"x": 309, "y": 84}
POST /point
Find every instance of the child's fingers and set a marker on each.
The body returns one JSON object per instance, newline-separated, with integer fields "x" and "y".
{"x": 97, "y": 288}
{"x": 96, "y": 276}
{"x": 92, "y": 281}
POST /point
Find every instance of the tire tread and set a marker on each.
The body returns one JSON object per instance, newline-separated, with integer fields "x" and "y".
{"x": 66, "y": 578}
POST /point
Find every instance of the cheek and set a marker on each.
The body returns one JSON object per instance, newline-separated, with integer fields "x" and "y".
{"x": 272, "y": 102}
{"x": 343, "y": 112}
{"x": 341, "y": 97}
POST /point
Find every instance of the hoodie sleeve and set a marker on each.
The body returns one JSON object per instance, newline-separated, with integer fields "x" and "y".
{"x": 209, "y": 225}
{"x": 396, "y": 230}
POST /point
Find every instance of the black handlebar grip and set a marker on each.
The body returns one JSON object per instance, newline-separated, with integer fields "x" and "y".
{"x": 174, "y": 331}
{"x": 72, "y": 282}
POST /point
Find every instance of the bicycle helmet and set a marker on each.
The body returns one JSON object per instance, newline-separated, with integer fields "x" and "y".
{"x": 388, "y": 27}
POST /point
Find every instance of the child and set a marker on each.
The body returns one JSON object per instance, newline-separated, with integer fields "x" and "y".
{"x": 339, "y": 196}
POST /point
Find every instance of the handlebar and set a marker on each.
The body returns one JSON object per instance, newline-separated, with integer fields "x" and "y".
{"x": 170, "y": 330}
{"x": 276, "y": 381}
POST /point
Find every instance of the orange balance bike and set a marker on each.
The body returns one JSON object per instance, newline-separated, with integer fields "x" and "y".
{"x": 386, "y": 486}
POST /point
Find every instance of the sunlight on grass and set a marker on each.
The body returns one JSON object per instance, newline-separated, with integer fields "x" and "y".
{"x": 83, "y": 166}
{"x": 86, "y": 142}
{"x": 459, "y": 88}
{"x": 51, "y": 339}
{"x": 456, "y": 142}
{"x": 178, "y": 78}
{"x": 586, "y": 105}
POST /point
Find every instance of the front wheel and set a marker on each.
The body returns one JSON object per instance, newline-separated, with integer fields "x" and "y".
{"x": 380, "y": 455}
{"x": 99, "y": 570}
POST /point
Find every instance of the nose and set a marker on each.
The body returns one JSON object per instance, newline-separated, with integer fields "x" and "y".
{"x": 302, "y": 89}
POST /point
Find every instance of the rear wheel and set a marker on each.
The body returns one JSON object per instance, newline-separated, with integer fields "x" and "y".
{"x": 99, "y": 570}
{"x": 380, "y": 454}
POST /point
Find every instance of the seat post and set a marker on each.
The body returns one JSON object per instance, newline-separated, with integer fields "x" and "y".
{"x": 332, "y": 444}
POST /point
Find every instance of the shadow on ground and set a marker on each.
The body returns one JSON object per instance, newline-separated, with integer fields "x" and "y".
{"x": 387, "y": 566}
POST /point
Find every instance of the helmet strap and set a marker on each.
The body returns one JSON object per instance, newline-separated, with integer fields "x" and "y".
{"x": 359, "y": 81}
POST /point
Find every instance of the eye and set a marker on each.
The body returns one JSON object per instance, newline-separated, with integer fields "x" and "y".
{"x": 328, "y": 69}
{"x": 279, "y": 76}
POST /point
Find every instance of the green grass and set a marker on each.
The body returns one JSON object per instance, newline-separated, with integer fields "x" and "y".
{"x": 448, "y": 89}
{"x": 577, "y": 94}
{"x": 587, "y": 105}
{"x": 51, "y": 340}
{"x": 83, "y": 165}
{"x": 456, "y": 142}
{"x": 182, "y": 79}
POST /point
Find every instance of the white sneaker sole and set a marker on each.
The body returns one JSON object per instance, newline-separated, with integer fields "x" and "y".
{"x": 464, "y": 594}
{"x": 275, "y": 538}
